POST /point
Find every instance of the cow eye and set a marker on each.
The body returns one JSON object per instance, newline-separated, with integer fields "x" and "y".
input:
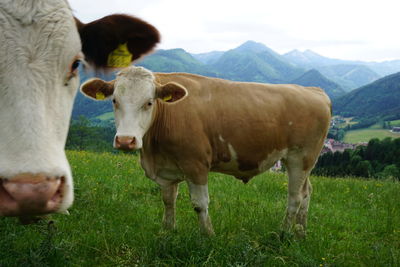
{"x": 73, "y": 69}
{"x": 147, "y": 105}
{"x": 75, "y": 65}
{"x": 115, "y": 103}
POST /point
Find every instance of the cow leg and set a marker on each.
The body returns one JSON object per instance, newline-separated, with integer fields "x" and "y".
{"x": 301, "y": 217}
{"x": 200, "y": 201}
{"x": 169, "y": 193}
{"x": 299, "y": 191}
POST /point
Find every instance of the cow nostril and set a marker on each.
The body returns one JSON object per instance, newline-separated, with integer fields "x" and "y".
{"x": 125, "y": 142}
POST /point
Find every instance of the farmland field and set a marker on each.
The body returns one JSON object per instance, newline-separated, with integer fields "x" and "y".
{"x": 395, "y": 123}
{"x": 364, "y": 135}
{"x": 116, "y": 221}
{"x": 374, "y": 131}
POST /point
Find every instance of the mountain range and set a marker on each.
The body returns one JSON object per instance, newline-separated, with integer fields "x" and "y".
{"x": 310, "y": 59}
{"x": 349, "y": 74}
{"x": 250, "y": 61}
{"x": 255, "y": 62}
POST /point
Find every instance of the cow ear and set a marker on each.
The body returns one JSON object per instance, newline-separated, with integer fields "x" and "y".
{"x": 171, "y": 92}
{"x": 115, "y": 41}
{"x": 98, "y": 89}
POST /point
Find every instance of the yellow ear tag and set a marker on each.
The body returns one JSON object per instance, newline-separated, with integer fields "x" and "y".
{"x": 167, "y": 98}
{"x": 120, "y": 57}
{"x": 100, "y": 96}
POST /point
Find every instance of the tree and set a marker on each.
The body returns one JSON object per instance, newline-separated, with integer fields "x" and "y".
{"x": 363, "y": 169}
{"x": 390, "y": 172}
{"x": 83, "y": 136}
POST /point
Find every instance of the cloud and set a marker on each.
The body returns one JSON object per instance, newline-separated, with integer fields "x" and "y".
{"x": 340, "y": 28}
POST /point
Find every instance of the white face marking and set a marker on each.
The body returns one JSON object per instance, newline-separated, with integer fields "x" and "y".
{"x": 38, "y": 44}
{"x": 134, "y": 102}
{"x": 290, "y": 123}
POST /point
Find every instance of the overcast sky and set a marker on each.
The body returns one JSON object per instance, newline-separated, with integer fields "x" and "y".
{"x": 345, "y": 29}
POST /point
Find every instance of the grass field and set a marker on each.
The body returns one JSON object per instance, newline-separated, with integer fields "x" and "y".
{"x": 116, "y": 221}
{"x": 395, "y": 123}
{"x": 364, "y": 135}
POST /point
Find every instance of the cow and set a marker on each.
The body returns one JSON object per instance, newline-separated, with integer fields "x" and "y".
{"x": 41, "y": 46}
{"x": 187, "y": 125}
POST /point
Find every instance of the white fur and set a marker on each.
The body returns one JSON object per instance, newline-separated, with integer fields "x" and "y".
{"x": 38, "y": 43}
{"x": 200, "y": 200}
{"x": 134, "y": 88}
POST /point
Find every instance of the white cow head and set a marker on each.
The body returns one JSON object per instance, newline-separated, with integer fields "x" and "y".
{"x": 135, "y": 97}
{"x": 40, "y": 50}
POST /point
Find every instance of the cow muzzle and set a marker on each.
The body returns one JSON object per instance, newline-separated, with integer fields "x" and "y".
{"x": 30, "y": 194}
{"x": 126, "y": 143}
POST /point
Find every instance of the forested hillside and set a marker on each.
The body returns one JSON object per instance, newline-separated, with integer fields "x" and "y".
{"x": 380, "y": 99}
{"x": 379, "y": 159}
{"x": 315, "y": 78}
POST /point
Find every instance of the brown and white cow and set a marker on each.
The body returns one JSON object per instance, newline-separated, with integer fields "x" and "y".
{"x": 187, "y": 125}
{"x": 41, "y": 45}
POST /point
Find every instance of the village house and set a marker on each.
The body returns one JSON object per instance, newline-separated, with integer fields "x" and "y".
{"x": 332, "y": 145}
{"x": 395, "y": 130}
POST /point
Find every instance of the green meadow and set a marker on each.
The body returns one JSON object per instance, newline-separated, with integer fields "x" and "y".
{"x": 374, "y": 131}
{"x": 364, "y": 135}
{"x": 116, "y": 221}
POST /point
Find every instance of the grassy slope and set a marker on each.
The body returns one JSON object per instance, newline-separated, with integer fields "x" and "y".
{"x": 108, "y": 116}
{"x": 117, "y": 215}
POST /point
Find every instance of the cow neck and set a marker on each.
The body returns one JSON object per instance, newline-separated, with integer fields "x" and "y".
{"x": 160, "y": 124}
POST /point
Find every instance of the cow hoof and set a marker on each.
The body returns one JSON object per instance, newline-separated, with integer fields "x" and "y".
{"x": 169, "y": 229}
{"x": 299, "y": 231}
{"x": 208, "y": 232}
{"x": 168, "y": 225}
